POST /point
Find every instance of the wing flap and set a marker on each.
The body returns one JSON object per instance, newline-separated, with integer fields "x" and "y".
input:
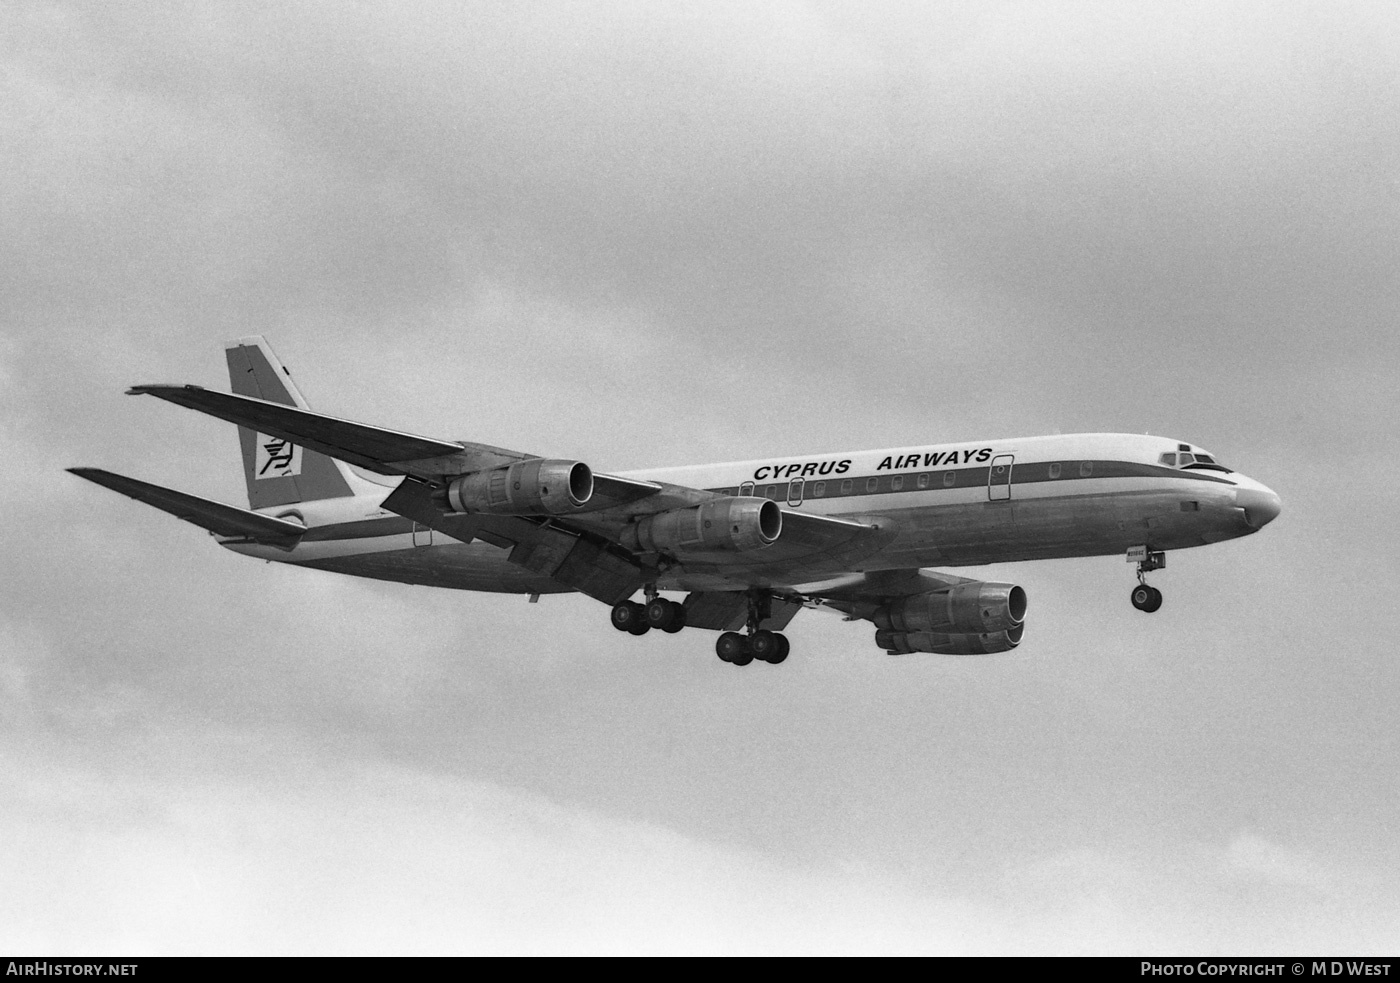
{"x": 559, "y": 553}
{"x": 225, "y": 520}
{"x": 822, "y": 531}
{"x": 609, "y": 490}
{"x": 729, "y": 611}
{"x": 810, "y": 545}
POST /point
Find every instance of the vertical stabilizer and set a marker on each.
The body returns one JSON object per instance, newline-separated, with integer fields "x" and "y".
{"x": 277, "y": 472}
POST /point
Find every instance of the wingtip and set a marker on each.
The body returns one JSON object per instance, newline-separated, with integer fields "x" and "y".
{"x": 156, "y": 389}
{"x": 248, "y": 341}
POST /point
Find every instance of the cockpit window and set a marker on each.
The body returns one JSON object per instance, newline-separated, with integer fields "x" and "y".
{"x": 1192, "y": 461}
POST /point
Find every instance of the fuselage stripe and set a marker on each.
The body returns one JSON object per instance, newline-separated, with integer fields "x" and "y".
{"x": 849, "y": 486}
{"x": 858, "y": 486}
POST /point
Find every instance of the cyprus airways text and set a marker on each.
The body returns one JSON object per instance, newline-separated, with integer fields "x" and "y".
{"x": 895, "y": 462}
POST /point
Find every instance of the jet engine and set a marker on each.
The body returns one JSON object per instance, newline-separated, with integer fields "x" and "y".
{"x": 727, "y": 524}
{"x": 985, "y": 643}
{"x": 972, "y": 609}
{"x": 528, "y": 488}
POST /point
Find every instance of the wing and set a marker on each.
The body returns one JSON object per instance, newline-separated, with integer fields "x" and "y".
{"x": 214, "y": 516}
{"x": 374, "y": 448}
{"x": 857, "y": 595}
{"x": 581, "y": 550}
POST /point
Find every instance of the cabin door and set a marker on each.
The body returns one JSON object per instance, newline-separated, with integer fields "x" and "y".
{"x": 999, "y": 478}
{"x": 795, "y": 492}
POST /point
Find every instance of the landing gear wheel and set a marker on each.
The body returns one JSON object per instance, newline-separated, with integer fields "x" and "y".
{"x": 733, "y": 648}
{"x": 628, "y": 615}
{"x": 763, "y": 645}
{"x": 678, "y": 622}
{"x": 666, "y": 615}
{"x": 784, "y": 647}
{"x": 1146, "y": 598}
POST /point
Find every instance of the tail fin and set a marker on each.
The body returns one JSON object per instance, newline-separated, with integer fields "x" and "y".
{"x": 277, "y": 472}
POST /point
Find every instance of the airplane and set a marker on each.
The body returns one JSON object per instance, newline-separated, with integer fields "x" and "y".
{"x": 750, "y": 543}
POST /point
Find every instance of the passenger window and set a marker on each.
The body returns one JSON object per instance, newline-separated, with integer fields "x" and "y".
{"x": 819, "y": 489}
{"x": 746, "y": 489}
{"x": 871, "y": 484}
{"x": 772, "y": 492}
{"x": 846, "y": 487}
{"x": 1086, "y": 468}
{"x": 1055, "y": 470}
{"x": 897, "y": 482}
{"x": 923, "y": 480}
{"x": 948, "y": 478}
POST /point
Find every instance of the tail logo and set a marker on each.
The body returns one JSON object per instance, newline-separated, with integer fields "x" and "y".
{"x": 276, "y": 458}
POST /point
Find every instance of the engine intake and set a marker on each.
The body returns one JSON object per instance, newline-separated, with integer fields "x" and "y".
{"x": 528, "y": 488}
{"x": 725, "y": 524}
{"x": 974, "y": 608}
{"x": 985, "y": 643}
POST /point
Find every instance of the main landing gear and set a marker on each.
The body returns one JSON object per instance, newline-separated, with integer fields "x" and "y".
{"x": 638, "y": 619}
{"x": 766, "y": 646}
{"x": 732, "y": 647}
{"x": 1144, "y": 597}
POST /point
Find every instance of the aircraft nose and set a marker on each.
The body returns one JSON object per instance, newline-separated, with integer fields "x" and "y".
{"x": 1261, "y": 506}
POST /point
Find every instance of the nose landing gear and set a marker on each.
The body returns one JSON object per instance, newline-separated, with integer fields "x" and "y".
{"x": 1144, "y": 597}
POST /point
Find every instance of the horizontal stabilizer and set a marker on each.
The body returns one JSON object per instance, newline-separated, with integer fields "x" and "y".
{"x": 369, "y": 447}
{"x": 225, "y": 520}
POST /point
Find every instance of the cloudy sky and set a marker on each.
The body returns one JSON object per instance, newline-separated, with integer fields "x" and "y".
{"x": 645, "y": 234}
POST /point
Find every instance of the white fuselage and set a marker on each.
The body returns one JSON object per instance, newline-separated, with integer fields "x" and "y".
{"x": 947, "y": 504}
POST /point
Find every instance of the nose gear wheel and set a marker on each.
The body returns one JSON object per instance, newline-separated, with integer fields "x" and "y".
{"x": 1146, "y": 598}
